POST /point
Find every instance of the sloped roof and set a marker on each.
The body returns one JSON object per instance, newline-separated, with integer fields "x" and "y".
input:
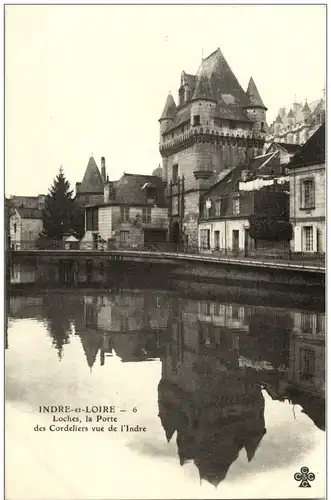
{"x": 169, "y": 110}
{"x": 253, "y": 95}
{"x": 183, "y": 115}
{"x": 29, "y": 213}
{"x": 223, "y": 80}
{"x": 203, "y": 89}
{"x": 189, "y": 79}
{"x": 229, "y": 183}
{"x": 290, "y": 114}
{"x": 128, "y": 189}
{"x": 278, "y": 119}
{"x": 319, "y": 108}
{"x": 290, "y": 148}
{"x": 312, "y": 152}
{"x": 223, "y": 110}
{"x": 92, "y": 181}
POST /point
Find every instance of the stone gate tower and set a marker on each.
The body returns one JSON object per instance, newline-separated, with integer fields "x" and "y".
{"x": 215, "y": 126}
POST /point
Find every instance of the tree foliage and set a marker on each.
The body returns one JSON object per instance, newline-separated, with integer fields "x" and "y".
{"x": 270, "y": 229}
{"x": 62, "y": 214}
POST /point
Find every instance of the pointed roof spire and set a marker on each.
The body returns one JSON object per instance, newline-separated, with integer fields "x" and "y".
{"x": 306, "y": 108}
{"x": 252, "y": 444}
{"x": 203, "y": 89}
{"x": 169, "y": 108}
{"x": 92, "y": 181}
{"x": 253, "y": 94}
{"x": 278, "y": 119}
{"x": 290, "y": 114}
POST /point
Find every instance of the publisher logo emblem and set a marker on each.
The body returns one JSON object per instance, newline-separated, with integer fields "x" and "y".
{"x": 305, "y": 477}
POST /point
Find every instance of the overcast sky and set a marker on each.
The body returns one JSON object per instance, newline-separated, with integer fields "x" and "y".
{"x": 94, "y": 79}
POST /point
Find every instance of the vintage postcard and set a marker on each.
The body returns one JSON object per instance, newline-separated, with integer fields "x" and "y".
{"x": 165, "y": 241}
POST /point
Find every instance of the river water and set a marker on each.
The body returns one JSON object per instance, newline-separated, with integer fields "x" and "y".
{"x": 226, "y": 400}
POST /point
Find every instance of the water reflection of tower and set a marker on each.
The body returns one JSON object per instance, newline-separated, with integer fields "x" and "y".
{"x": 204, "y": 395}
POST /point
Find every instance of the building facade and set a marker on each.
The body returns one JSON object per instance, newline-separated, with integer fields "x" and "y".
{"x": 25, "y": 225}
{"x": 298, "y": 124}
{"x": 257, "y": 190}
{"x": 133, "y": 213}
{"x": 308, "y": 196}
{"x": 215, "y": 126}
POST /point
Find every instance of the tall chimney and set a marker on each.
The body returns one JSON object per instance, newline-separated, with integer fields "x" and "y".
{"x": 103, "y": 168}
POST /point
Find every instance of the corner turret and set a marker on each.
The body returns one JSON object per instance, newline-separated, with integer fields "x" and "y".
{"x": 255, "y": 109}
{"x": 203, "y": 102}
{"x": 168, "y": 114}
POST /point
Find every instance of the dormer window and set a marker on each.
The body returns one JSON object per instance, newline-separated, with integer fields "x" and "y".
{"x": 151, "y": 193}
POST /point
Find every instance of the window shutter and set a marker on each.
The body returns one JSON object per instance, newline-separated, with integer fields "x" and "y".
{"x": 297, "y": 239}
{"x": 314, "y": 239}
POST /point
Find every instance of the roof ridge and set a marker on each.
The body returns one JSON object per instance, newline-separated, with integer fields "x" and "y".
{"x": 215, "y": 51}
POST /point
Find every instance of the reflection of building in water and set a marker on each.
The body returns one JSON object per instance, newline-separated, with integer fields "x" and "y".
{"x": 260, "y": 334}
{"x": 204, "y": 395}
{"x": 20, "y": 307}
{"x": 128, "y": 324}
{"x": 306, "y": 371}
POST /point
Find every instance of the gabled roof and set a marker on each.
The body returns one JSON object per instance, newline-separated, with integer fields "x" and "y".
{"x": 278, "y": 119}
{"x": 129, "y": 190}
{"x": 29, "y": 213}
{"x": 92, "y": 181}
{"x": 169, "y": 110}
{"x": 253, "y": 95}
{"x": 312, "y": 152}
{"x": 290, "y": 114}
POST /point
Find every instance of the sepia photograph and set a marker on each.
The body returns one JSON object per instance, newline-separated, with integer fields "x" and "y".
{"x": 165, "y": 251}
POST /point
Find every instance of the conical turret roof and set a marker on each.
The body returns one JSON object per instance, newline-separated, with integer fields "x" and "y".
{"x": 253, "y": 95}
{"x": 92, "y": 181}
{"x": 278, "y": 119}
{"x": 290, "y": 114}
{"x": 306, "y": 108}
{"x": 169, "y": 110}
{"x": 203, "y": 89}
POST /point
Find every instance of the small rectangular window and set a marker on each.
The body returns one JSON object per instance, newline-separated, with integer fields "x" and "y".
{"x": 307, "y": 364}
{"x": 308, "y": 193}
{"x": 147, "y": 214}
{"x": 308, "y": 239}
{"x": 236, "y": 205}
{"x": 217, "y": 208}
{"x": 124, "y": 238}
{"x": 196, "y": 120}
{"x": 125, "y": 211}
{"x": 174, "y": 173}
